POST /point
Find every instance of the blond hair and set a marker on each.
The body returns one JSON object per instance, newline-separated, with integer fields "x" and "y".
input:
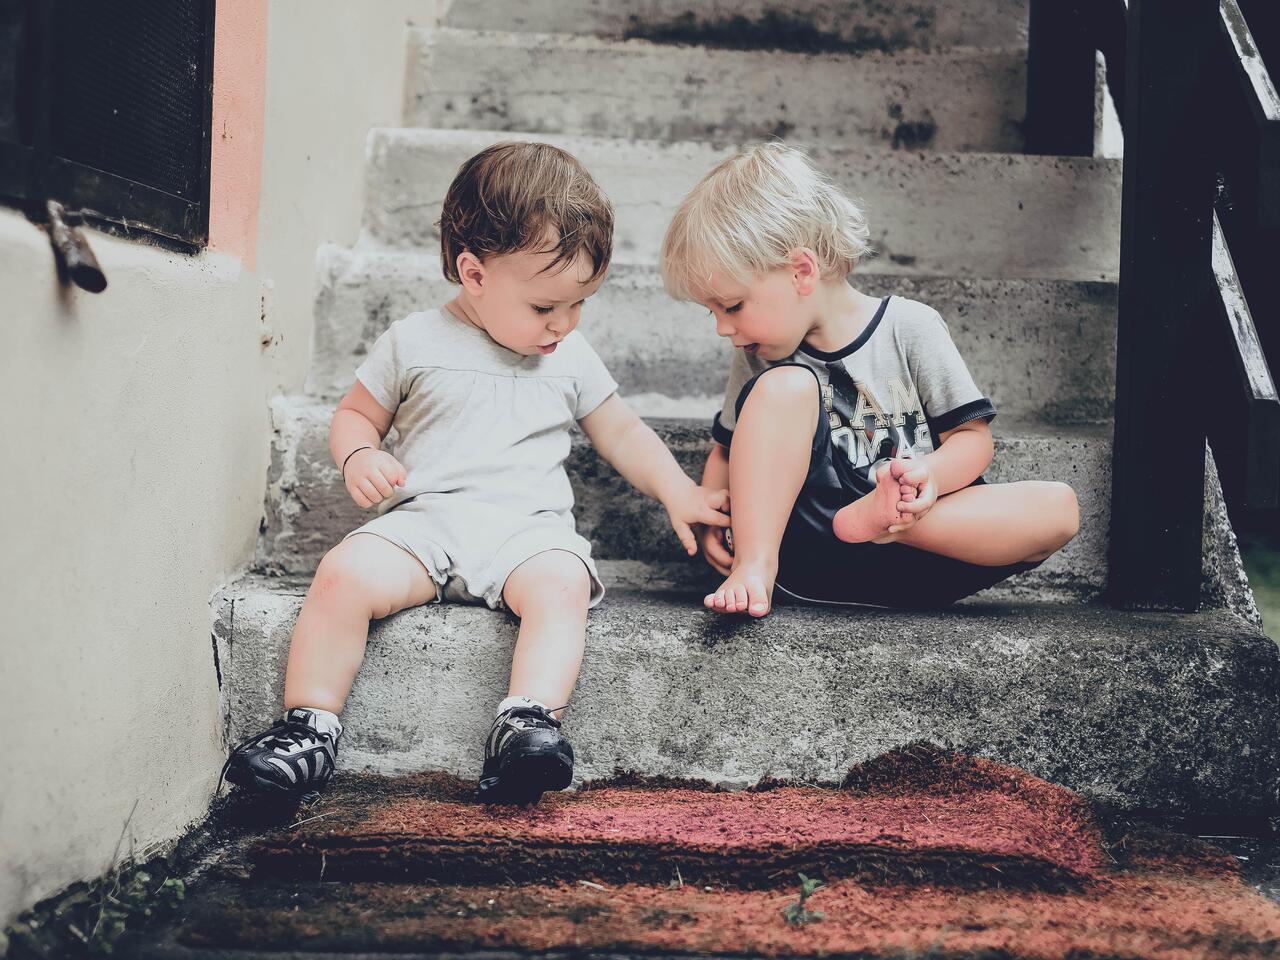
{"x": 750, "y": 212}
{"x": 520, "y": 195}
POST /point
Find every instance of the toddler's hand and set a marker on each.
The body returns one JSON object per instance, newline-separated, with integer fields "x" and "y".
{"x": 919, "y": 494}
{"x": 694, "y": 505}
{"x": 372, "y": 476}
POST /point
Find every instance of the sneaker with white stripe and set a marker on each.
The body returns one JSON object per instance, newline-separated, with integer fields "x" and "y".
{"x": 291, "y": 757}
{"x": 524, "y": 756}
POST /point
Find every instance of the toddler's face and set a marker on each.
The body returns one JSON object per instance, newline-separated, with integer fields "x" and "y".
{"x": 527, "y": 310}
{"x": 766, "y": 317}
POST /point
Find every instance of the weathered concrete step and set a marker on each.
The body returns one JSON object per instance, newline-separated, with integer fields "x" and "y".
{"x": 1042, "y": 349}
{"x": 955, "y": 820}
{"x": 1163, "y": 711}
{"x": 933, "y": 214}
{"x": 962, "y": 99}
{"x": 308, "y": 510}
{"x": 849, "y": 25}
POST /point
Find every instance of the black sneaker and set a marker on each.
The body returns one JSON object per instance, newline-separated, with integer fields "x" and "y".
{"x": 524, "y": 756}
{"x": 292, "y": 757}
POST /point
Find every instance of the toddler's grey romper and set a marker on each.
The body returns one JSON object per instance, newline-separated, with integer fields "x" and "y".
{"x": 483, "y": 434}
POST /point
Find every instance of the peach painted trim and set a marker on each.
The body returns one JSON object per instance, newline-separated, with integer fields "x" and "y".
{"x": 239, "y": 105}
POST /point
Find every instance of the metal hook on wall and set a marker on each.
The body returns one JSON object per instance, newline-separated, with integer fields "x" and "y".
{"x": 74, "y": 255}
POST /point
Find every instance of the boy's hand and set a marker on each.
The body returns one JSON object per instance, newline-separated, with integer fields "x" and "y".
{"x": 716, "y": 550}
{"x": 693, "y": 505}
{"x": 372, "y": 476}
{"x": 913, "y": 508}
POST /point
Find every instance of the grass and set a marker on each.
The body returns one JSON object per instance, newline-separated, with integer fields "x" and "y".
{"x": 1262, "y": 564}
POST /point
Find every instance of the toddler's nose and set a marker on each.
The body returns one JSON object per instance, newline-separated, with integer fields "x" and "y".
{"x": 723, "y": 327}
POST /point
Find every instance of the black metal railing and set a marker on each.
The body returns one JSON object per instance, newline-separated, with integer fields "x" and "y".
{"x": 1198, "y": 332}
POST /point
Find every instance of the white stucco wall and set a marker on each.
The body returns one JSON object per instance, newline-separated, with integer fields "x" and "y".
{"x": 136, "y": 437}
{"x": 317, "y": 121}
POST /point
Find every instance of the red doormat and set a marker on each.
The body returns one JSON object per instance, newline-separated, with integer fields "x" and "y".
{"x": 920, "y": 814}
{"x": 925, "y": 854}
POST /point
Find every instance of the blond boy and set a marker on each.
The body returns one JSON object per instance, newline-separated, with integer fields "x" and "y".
{"x": 852, "y": 438}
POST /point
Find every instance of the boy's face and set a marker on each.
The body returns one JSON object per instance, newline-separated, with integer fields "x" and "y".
{"x": 521, "y": 304}
{"x": 767, "y": 316}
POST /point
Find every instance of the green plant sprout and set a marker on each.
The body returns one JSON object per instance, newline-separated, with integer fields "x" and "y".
{"x": 795, "y": 913}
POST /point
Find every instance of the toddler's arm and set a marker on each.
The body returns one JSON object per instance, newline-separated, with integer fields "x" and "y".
{"x": 636, "y": 452}
{"x": 355, "y": 443}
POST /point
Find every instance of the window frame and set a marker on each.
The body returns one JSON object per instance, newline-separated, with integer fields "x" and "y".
{"x": 30, "y": 173}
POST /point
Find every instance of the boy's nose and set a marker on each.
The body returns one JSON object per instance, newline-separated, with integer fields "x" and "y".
{"x": 723, "y": 327}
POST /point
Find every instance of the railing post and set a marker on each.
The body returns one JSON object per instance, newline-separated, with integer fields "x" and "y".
{"x": 1061, "y": 76}
{"x": 1163, "y": 391}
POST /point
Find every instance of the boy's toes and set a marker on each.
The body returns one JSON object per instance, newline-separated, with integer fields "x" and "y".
{"x": 758, "y": 600}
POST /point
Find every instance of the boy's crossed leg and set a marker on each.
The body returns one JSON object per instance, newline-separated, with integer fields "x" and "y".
{"x": 996, "y": 524}
{"x": 986, "y": 524}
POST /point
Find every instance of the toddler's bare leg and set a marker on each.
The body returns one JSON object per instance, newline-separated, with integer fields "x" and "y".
{"x": 767, "y": 466}
{"x": 549, "y": 593}
{"x": 363, "y": 578}
{"x": 998, "y": 523}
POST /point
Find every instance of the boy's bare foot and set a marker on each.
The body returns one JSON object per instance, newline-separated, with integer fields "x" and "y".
{"x": 749, "y": 589}
{"x": 870, "y": 516}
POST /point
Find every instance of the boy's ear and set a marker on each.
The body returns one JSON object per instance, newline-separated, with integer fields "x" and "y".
{"x": 471, "y": 273}
{"x": 804, "y": 271}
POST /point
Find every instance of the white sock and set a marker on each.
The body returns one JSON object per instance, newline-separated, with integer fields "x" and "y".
{"x": 510, "y": 702}
{"x": 324, "y": 721}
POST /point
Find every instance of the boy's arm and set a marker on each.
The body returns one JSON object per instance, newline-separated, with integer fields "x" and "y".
{"x": 961, "y": 456}
{"x": 716, "y": 473}
{"x": 715, "y": 476}
{"x": 636, "y": 452}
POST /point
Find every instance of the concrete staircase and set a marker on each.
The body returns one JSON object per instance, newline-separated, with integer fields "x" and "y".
{"x": 918, "y": 111}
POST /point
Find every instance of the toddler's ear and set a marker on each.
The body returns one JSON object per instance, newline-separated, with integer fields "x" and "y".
{"x": 471, "y": 273}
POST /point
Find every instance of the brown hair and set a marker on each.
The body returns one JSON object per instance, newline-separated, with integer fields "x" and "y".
{"x": 511, "y": 196}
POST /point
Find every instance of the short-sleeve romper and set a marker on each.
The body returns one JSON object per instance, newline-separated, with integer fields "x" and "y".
{"x": 483, "y": 434}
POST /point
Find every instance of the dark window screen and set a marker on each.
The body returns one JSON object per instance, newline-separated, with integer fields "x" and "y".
{"x": 104, "y": 105}
{"x": 126, "y": 98}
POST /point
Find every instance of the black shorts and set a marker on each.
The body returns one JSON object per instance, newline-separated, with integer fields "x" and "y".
{"x": 815, "y": 566}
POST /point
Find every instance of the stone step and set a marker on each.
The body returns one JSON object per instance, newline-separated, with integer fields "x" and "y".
{"x": 838, "y": 25}
{"x": 1150, "y": 710}
{"x": 308, "y": 510}
{"x": 1042, "y": 349}
{"x": 958, "y": 100}
{"x": 933, "y": 214}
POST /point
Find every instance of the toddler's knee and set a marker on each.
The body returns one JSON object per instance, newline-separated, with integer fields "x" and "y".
{"x": 343, "y": 573}
{"x": 562, "y": 580}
